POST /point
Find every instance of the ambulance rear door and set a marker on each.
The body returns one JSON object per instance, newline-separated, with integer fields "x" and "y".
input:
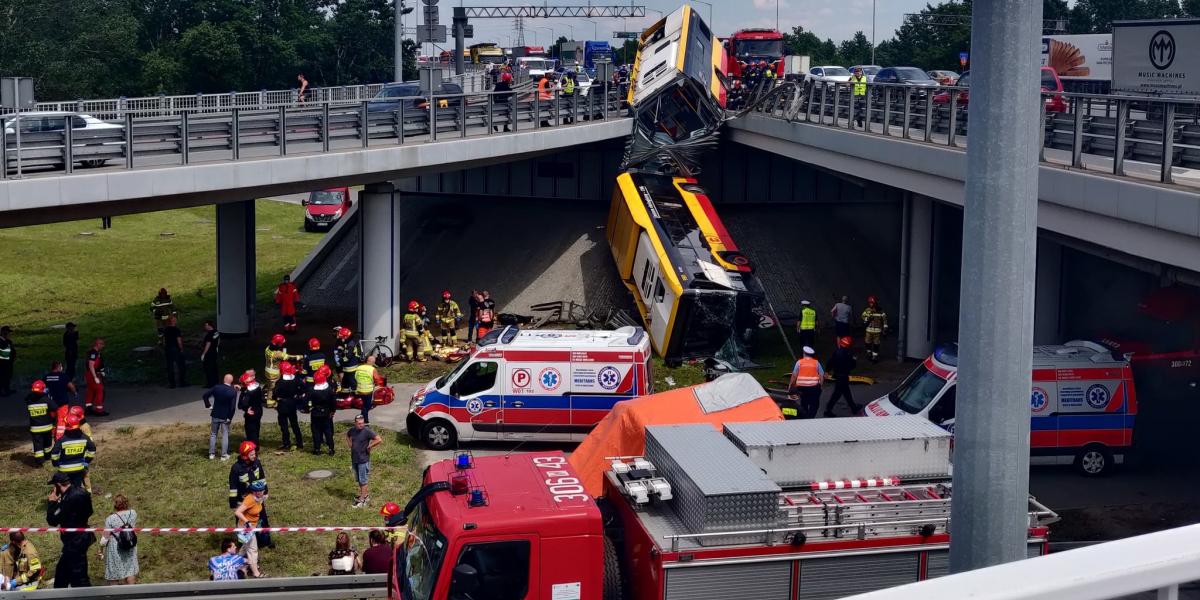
{"x": 1044, "y": 413}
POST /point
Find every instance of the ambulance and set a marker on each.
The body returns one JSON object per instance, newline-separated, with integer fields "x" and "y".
{"x": 1082, "y": 404}
{"x": 542, "y": 385}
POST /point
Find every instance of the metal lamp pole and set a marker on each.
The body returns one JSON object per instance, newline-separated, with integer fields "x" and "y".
{"x": 595, "y": 29}
{"x": 872, "y": 26}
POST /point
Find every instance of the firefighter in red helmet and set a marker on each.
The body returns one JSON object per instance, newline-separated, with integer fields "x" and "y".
{"x": 413, "y": 327}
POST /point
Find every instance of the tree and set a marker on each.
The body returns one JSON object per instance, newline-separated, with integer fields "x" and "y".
{"x": 1097, "y": 16}
{"x": 855, "y": 51}
{"x": 1191, "y": 8}
{"x": 556, "y": 50}
{"x": 627, "y": 52}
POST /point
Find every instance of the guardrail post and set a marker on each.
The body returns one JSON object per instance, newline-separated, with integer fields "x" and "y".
{"x": 1168, "y": 143}
{"x": 488, "y": 122}
{"x": 557, "y": 107}
{"x": 183, "y": 138}
{"x": 121, "y": 107}
{"x": 68, "y": 142}
{"x": 432, "y": 117}
{"x": 887, "y": 110}
{"x": 282, "y": 125}
{"x": 1077, "y": 134}
{"x": 953, "y": 132}
{"x": 537, "y": 110}
{"x": 591, "y": 112}
{"x": 235, "y": 132}
{"x": 1119, "y": 141}
{"x": 821, "y": 108}
{"x": 400, "y": 122}
{"x": 3, "y": 153}
{"x": 1042, "y": 130}
{"x": 128, "y": 141}
{"x": 512, "y": 108}
{"x": 461, "y": 114}
{"x": 837, "y": 97}
{"x": 907, "y": 112}
{"x": 262, "y": 98}
{"x": 364, "y": 125}
{"x": 928, "y": 117}
{"x": 325, "y": 126}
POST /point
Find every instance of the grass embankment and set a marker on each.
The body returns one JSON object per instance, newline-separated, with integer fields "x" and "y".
{"x": 170, "y": 482}
{"x": 103, "y": 280}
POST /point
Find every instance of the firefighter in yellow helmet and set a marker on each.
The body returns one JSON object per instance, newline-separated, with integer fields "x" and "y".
{"x": 448, "y": 317}
{"x": 877, "y": 325}
{"x": 412, "y": 329}
{"x": 274, "y": 354}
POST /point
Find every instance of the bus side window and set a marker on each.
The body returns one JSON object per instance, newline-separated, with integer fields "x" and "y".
{"x": 660, "y": 292}
{"x": 646, "y": 278}
{"x": 944, "y": 409}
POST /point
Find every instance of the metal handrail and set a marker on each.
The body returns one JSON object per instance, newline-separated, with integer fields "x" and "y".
{"x": 330, "y": 587}
{"x": 927, "y": 109}
{"x": 234, "y": 130}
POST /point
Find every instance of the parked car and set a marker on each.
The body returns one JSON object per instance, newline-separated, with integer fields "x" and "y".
{"x": 905, "y": 75}
{"x": 829, "y": 73}
{"x": 1050, "y": 83}
{"x": 943, "y": 77}
{"x": 325, "y": 207}
{"x": 35, "y": 122}
{"x": 389, "y": 98}
{"x": 869, "y": 70}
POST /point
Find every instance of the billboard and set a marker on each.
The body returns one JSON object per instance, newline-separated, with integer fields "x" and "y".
{"x": 1159, "y": 57}
{"x": 1079, "y": 56}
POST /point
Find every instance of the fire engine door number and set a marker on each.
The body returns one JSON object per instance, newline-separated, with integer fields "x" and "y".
{"x": 565, "y": 591}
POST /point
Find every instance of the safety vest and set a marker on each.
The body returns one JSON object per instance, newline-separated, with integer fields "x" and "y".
{"x": 364, "y": 379}
{"x": 412, "y": 325}
{"x": 808, "y": 319}
{"x": 162, "y": 309}
{"x": 40, "y": 419}
{"x": 71, "y": 455}
{"x": 544, "y": 90}
{"x": 807, "y": 373}
{"x": 448, "y": 312}
{"x": 875, "y": 320}
{"x": 860, "y": 84}
{"x": 568, "y": 86}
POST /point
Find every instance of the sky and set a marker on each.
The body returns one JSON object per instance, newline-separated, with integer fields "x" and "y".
{"x": 836, "y": 19}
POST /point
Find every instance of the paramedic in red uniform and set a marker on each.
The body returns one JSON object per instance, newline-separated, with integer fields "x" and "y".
{"x": 286, "y": 296}
{"x": 94, "y": 375}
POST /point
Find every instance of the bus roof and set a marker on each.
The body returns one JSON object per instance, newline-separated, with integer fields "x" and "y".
{"x": 517, "y": 490}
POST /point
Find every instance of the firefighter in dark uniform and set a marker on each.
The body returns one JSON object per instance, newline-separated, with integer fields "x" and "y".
{"x": 346, "y": 353}
{"x": 73, "y": 452}
{"x": 250, "y": 402}
{"x": 314, "y": 360}
{"x": 70, "y": 505}
{"x": 322, "y": 403}
{"x": 242, "y": 474}
{"x": 289, "y": 397}
{"x": 42, "y": 411}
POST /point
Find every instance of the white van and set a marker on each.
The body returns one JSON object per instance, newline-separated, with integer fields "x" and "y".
{"x": 539, "y": 385}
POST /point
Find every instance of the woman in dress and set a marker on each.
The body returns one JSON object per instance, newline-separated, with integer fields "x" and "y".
{"x": 120, "y": 565}
{"x": 343, "y": 559}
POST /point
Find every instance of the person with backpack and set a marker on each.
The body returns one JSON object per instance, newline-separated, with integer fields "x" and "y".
{"x": 118, "y": 549}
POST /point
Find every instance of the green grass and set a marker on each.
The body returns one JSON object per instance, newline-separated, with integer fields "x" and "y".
{"x": 103, "y": 280}
{"x": 170, "y": 482}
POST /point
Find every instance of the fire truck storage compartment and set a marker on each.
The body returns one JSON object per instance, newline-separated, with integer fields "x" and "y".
{"x": 826, "y": 578}
{"x": 937, "y": 563}
{"x": 796, "y": 453}
{"x": 761, "y": 581}
{"x": 716, "y": 488}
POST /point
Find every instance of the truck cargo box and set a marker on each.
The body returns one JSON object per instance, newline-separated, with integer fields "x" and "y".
{"x": 797, "y": 453}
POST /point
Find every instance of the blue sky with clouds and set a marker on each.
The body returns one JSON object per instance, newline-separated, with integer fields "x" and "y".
{"x": 837, "y": 19}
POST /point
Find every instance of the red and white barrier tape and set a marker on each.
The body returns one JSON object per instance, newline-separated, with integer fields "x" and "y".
{"x": 194, "y": 529}
{"x": 856, "y": 483}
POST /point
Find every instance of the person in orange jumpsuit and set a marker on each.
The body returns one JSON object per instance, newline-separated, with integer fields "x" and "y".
{"x": 287, "y": 296}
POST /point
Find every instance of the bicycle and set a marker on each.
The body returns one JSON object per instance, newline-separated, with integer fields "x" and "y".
{"x": 381, "y": 351}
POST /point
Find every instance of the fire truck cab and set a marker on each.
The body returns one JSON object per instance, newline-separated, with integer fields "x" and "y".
{"x": 748, "y": 46}
{"x": 770, "y": 510}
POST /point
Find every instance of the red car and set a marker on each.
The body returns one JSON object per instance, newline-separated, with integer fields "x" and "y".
{"x": 1050, "y": 84}
{"x": 322, "y": 209}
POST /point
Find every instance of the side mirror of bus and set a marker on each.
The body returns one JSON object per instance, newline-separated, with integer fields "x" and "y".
{"x": 464, "y": 581}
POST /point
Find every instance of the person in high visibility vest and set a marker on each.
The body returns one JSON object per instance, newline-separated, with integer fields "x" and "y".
{"x": 875, "y": 319}
{"x": 364, "y": 385}
{"x": 807, "y": 325}
{"x": 568, "y": 92}
{"x": 859, "y": 93}
{"x": 42, "y": 411}
{"x": 274, "y": 354}
{"x": 20, "y": 563}
{"x": 807, "y": 376}
{"x": 412, "y": 332}
{"x": 73, "y": 452}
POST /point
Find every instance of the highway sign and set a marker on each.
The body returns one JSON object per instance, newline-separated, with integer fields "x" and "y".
{"x": 432, "y": 16}
{"x": 468, "y": 31}
{"x": 626, "y": 35}
{"x": 431, "y": 33}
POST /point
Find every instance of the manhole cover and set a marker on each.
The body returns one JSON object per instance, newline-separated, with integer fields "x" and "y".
{"x": 319, "y": 474}
{"x": 144, "y": 349}
{"x": 86, "y": 233}
{"x": 167, "y": 234}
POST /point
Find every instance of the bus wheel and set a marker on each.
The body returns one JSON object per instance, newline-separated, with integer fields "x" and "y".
{"x": 1094, "y": 460}
{"x": 439, "y": 434}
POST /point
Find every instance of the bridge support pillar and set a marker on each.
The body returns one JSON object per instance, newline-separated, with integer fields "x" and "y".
{"x": 379, "y": 308}
{"x": 235, "y": 267}
{"x": 916, "y": 285}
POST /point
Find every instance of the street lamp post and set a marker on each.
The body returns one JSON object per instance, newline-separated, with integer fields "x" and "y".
{"x": 872, "y": 26}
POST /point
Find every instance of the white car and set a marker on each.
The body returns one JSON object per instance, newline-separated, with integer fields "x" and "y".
{"x": 534, "y": 67}
{"x": 34, "y": 122}
{"x": 869, "y": 70}
{"x": 583, "y": 83}
{"x": 829, "y": 73}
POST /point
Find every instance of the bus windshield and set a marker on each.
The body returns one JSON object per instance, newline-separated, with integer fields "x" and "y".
{"x": 424, "y": 550}
{"x": 921, "y": 387}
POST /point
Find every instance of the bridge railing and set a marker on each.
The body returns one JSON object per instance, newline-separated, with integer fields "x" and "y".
{"x": 1149, "y": 566}
{"x": 1159, "y": 132}
{"x": 233, "y": 132}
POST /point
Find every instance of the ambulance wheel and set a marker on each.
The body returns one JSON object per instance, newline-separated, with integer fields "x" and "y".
{"x": 439, "y": 434}
{"x": 1094, "y": 460}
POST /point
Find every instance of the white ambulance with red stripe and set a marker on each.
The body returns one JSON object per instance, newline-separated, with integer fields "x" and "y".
{"x": 547, "y": 385}
{"x": 1082, "y": 405}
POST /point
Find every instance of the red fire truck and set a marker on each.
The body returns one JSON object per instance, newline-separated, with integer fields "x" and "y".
{"x": 766, "y": 510}
{"x": 752, "y": 45}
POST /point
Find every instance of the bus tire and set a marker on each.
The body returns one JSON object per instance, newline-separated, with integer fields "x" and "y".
{"x": 439, "y": 434}
{"x": 1094, "y": 460}
{"x": 614, "y": 587}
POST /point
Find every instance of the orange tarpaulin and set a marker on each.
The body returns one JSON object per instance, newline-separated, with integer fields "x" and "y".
{"x": 732, "y": 398}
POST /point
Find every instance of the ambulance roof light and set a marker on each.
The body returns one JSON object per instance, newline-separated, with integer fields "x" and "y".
{"x": 463, "y": 460}
{"x": 947, "y": 355}
{"x": 509, "y": 334}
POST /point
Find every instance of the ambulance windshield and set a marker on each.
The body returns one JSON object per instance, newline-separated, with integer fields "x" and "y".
{"x": 423, "y": 551}
{"x": 917, "y": 391}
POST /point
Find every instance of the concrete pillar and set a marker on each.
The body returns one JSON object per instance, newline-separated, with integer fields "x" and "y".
{"x": 1047, "y": 303}
{"x": 918, "y": 289}
{"x": 989, "y": 516}
{"x": 235, "y": 267}
{"x": 379, "y": 308}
